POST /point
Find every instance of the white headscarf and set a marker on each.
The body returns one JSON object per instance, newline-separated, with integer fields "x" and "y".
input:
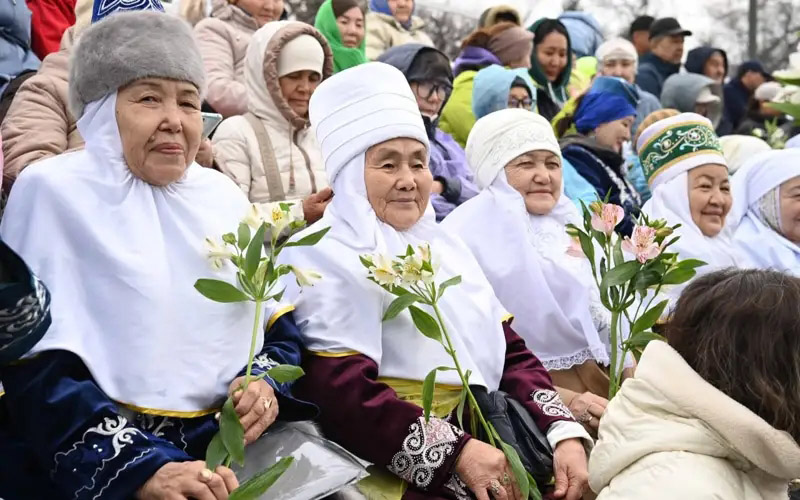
{"x": 121, "y": 257}
{"x": 740, "y": 148}
{"x": 756, "y": 211}
{"x": 351, "y": 112}
{"x": 552, "y": 295}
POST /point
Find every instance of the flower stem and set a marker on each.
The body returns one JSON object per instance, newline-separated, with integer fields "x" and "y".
{"x": 253, "y": 341}
{"x": 612, "y": 387}
{"x": 451, "y": 350}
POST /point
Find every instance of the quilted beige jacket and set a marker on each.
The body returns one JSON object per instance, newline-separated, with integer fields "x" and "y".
{"x": 385, "y": 32}
{"x": 39, "y": 124}
{"x": 223, "y": 39}
{"x": 298, "y": 157}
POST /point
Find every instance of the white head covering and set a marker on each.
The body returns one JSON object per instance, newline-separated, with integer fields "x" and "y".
{"x": 303, "y": 53}
{"x": 351, "y": 112}
{"x": 737, "y": 149}
{"x": 121, "y": 257}
{"x": 616, "y": 49}
{"x": 756, "y": 210}
{"x": 552, "y": 295}
{"x": 670, "y": 188}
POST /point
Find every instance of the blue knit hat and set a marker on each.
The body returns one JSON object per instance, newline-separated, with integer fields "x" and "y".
{"x": 103, "y": 8}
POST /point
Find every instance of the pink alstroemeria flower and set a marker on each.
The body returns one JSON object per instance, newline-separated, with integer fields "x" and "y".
{"x": 642, "y": 244}
{"x": 575, "y": 249}
{"x": 607, "y": 217}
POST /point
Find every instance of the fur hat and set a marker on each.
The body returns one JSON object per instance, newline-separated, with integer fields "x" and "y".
{"x": 129, "y": 46}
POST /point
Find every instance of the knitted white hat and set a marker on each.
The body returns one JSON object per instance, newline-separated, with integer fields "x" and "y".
{"x": 303, "y": 53}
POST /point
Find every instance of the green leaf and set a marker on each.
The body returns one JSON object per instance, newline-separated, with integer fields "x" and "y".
{"x": 790, "y": 109}
{"x": 678, "y": 276}
{"x": 587, "y": 246}
{"x": 244, "y": 236}
{"x": 516, "y": 467}
{"x": 310, "y": 240}
{"x": 399, "y": 305}
{"x": 220, "y": 291}
{"x": 216, "y": 452}
{"x": 285, "y": 373}
{"x": 617, "y": 252}
{"x": 257, "y": 485}
{"x": 641, "y": 339}
{"x": 455, "y": 280}
{"x": 427, "y": 393}
{"x": 535, "y": 494}
{"x": 600, "y": 237}
{"x": 366, "y": 260}
{"x": 426, "y": 324}
{"x": 620, "y": 274}
{"x": 232, "y": 432}
{"x": 460, "y": 408}
{"x": 649, "y": 317}
{"x": 645, "y": 279}
{"x": 691, "y": 264}
{"x": 254, "y": 251}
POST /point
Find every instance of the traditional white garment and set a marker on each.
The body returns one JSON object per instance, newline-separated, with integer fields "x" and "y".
{"x": 756, "y": 211}
{"x": 552, "y": 295}
{"x": 121, "y": 257}
{"x": 342, "y": 313}
{"x": 740, "y": 148}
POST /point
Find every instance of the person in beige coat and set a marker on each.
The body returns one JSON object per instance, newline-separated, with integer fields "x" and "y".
{"x": 391, "y": 23}
{"x": 284, "y": 64}
{"x": 712, "y": 415}
{"x": 223, "y": 39}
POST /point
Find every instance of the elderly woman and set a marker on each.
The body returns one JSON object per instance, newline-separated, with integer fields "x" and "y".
{"x": 223, "y": 39}
{"x": 376, "y": 152}
{"x": 712, "y": 414}
{"x": 516, "y": 229}
{"x": 341, "y": 22}
{"x": 391, "y": 23}
{"x": 270, "y": 152}
{"x": 603, "y": 123}
{"x": 431, "y": 79}
{"x": 118, "y": 398}
{"x": 688, "y": 177}
{"x": 766, "y": 211}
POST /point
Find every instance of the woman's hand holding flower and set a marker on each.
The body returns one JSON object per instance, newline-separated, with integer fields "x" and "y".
{"x": 571, "y": 471}
{"x": 184, "y": 480}
{"x": 485, "y": 470}
{"x": 256, "y": 407}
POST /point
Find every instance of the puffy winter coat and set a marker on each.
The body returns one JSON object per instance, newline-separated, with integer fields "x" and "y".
{"x": 681, "y": 91}
{"x": 223, "y": 39}
{"x": 39, "y": 124}
{"x": 670, "y": 435}
{"x": 16, "y": 55}
{"x": 236, "y": 148}
{"x": 385, "y": 32}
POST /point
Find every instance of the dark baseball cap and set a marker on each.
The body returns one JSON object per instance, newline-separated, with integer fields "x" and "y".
{"x": 667, "y": 26}
{"x": 754, "y": 66}
{"x": 641, "y": 23}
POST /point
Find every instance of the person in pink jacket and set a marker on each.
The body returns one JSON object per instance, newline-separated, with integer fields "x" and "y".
{"x": 223, "y": 39}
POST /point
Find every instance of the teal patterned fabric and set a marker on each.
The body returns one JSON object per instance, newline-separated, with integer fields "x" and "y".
{"x": 677, "y": 143}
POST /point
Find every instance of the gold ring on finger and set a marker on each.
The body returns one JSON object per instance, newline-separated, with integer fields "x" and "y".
{"x": 267, "y": 403}
{"x": 506, "y": 479}
{"x": 494, "y": 486}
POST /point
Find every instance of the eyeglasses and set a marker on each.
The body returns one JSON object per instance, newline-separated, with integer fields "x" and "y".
{"x": 425, "y": 90}
{"x": 526, "y": 103}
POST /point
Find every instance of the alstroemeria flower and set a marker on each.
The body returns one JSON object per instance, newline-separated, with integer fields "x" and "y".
{"x": 254, "y": 217}
{"x": 575, "y": 249}
{"x": 280, "y": 219}
{"x": 383, "y": 272}
{"x": 411, "y": 270}
{"x": 305, "y": 277}
{"x": 642, "y": 244}
{"x": 217, "y": 253}
{"x": 607, "y": 218}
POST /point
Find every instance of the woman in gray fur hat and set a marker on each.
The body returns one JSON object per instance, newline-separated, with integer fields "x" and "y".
{"x": 118, "y": 398}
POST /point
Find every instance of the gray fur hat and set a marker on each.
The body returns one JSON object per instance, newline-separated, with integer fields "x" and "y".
{"x": 129, "y": 46}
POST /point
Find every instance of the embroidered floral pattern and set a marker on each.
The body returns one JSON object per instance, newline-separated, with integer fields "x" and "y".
{"x": 521, "y": 136}
{"x": 675, "y": 143}
{"x": 424, "y": 450}
{"x": 264, "y": 362}
{"x": 458, "y": 488}
{"x": 98, "y": 447}
{"x": 550, "y": 403}
{"x": 26, "y": 315}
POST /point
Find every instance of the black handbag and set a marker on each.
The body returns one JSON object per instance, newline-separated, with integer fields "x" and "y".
{"x": 516, "y": 427}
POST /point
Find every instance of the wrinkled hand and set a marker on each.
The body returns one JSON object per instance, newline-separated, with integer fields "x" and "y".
{"x": 188, "y": 480}
{"x": 480, "y": 466}
{"x": 314, "y": 205}
{"x": 437, "y": 187}
{"x": 205, "y": 155}
{"x": 256, "y": 406}
{"x": 571, "y": 472}
{"x": 588, "y": 408}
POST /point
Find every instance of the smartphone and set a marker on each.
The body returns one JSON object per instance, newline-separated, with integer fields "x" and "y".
{"x": 210, "y": 122}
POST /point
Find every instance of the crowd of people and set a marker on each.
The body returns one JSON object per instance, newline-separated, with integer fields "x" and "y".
{"x": 114, "y": 367}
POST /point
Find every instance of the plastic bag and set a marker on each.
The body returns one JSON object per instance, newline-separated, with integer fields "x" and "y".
{"x": 321, "y": 467}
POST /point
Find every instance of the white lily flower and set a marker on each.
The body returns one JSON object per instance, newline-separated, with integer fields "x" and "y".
{"x": 279, "y": 219}
{"x": 217, "y": 253}
{"x": 254, "y": 217}
{"x": 411, "y": 270}
{"x": 383, "y": 271}
{"x": 305, "y": 277}
{"x": 424, "y": 252}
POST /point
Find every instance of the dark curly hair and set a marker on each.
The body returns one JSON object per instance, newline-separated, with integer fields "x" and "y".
{"x": 740, "y": 331}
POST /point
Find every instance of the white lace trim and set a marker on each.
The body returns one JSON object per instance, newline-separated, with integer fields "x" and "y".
{"x": 598, "y": 354}
{"x": 550, "y": 403}
{"x": 424, "y": 450}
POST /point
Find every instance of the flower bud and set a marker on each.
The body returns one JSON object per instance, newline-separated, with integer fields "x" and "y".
{"x": 663, "y": 232}
{"x": 229, "y": 238}
{"x": 573, "y": 231}
{"x": 596, "y": 207}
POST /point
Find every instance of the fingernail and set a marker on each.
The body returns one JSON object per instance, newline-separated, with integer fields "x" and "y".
{"x": 216, "y": 416}
{"x": 206, "y": 474}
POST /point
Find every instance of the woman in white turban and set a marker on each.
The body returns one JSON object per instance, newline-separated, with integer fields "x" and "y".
{"x": 516, "y": 227}
{"x": 766, "y": 211}
{"x": 365, "y": 374}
